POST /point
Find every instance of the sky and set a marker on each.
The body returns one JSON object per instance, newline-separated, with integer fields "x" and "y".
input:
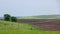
{"x": 29, "y": 7}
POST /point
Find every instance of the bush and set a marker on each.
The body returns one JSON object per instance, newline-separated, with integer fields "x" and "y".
{"x": 13, "y": 19}
{"x": 7, "y": 17}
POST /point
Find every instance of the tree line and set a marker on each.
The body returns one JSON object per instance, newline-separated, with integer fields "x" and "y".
{"x": 8, "y": 17}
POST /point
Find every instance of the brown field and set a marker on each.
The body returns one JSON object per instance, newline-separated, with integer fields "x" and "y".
{"x": 45, "y": 24}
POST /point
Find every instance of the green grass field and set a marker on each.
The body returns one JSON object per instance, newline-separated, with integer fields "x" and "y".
{"x": 7, "y": 27}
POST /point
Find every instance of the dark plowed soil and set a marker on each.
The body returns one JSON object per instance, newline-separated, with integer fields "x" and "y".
{"x": 45, "y": 24}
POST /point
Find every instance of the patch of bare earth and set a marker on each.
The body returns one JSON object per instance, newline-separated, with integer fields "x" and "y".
{"x": 45, "y": 24}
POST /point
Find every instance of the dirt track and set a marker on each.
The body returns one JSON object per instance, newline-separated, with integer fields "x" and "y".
{"x": 45, "y": 24}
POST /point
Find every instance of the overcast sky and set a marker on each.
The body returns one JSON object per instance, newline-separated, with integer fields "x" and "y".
{"x": 29, "y": 7}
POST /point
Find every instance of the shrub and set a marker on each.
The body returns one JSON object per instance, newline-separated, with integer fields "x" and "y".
{"x": 13, "y": 19}
{"x": 7, "y": 17}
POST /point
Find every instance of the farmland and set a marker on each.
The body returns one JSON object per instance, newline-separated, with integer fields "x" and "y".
{"x": 41, "y": 17}
{"x": 45, "y": 24}
{"x": 7, "y": 27}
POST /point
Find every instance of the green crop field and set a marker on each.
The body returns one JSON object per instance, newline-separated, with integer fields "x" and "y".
{"x": 7, "y": 27}
{"x": 41, "y": 17}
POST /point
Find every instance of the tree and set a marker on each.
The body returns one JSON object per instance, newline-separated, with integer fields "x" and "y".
{"x": 13, "y": 19}
{"x": 7, "y": 17}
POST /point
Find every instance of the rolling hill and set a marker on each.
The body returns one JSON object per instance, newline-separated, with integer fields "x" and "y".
{"x": 7, "y": 25}
{"x": 41, "y": 17}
